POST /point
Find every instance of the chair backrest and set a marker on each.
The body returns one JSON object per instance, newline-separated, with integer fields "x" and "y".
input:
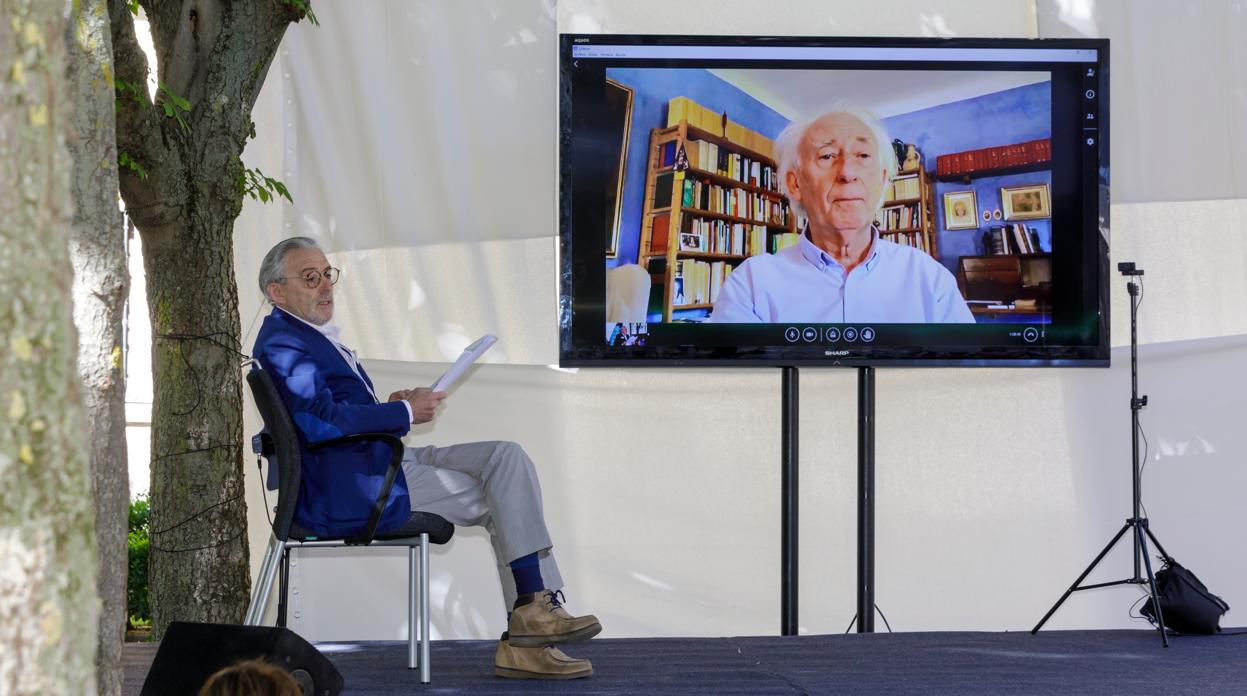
{"x": 286, "y": 448}
{"x": 627, "y": 293}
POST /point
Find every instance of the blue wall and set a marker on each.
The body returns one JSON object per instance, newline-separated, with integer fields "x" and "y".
{"x": 1015, "y": 116}
{"x": 654, "y": 88}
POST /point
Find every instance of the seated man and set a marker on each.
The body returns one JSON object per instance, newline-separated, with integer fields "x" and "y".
{"x": 833, "y": 169}
{"x": 490, "y": 484}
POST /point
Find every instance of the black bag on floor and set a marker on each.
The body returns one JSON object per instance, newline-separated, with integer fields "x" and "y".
{"x": 1188, "y": 606}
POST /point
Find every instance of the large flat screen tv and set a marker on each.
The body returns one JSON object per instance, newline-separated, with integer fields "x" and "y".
{"x": 833, "y": 201}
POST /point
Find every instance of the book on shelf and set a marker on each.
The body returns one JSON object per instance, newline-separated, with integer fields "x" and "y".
{"x": 662, "y": 189}
{"x": 1015, "y": 238}
{"x": 990, "y": 158}
{"x": 660, "y": 233}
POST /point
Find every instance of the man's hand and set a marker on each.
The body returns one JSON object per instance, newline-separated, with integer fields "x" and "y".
{"x": 424, "y": 403}
{"x": 399, "y": 395}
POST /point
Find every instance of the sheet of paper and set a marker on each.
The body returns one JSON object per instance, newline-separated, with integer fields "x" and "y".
{"x": 469, "y": 356}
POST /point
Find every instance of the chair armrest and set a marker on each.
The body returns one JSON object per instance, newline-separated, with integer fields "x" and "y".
{"x": 396, "y": 457}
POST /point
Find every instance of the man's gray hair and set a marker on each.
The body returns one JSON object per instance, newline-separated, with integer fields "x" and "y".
{"x": 788, "y": 144}
{"x": 272, "y": 267}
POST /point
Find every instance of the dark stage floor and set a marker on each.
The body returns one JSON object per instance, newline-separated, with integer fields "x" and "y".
{"x": 1083, "y": 662}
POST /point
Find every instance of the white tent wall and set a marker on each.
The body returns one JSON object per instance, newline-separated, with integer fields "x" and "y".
{"x": 995, "y": 487}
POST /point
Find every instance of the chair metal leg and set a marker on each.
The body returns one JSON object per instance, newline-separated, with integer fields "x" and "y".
{"x": 284, "y": 589}
{"x": 413, "y": 627}
{"x": 261, "y": 592}
{"x": 425, "y": 636}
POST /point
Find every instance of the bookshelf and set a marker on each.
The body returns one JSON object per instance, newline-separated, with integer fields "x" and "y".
{"x": 708, "y": 210}
{"x": 907, "y": 214}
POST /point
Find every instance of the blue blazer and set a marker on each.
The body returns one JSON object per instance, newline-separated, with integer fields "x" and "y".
{"x": 326, "y": 399}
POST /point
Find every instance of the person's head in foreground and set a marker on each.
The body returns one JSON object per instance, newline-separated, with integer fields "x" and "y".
{"x": 251, "y": 678}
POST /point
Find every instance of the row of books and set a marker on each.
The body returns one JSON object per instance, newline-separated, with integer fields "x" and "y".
{"x": 698, "y": 282}
{"x": 706, "y": 156}
{"x": 722, "y": 237}
{"x": 1011, "y": 239}
{"x": 902, "y": 189}
{"x": 1000, "y": 157}
{"x": 716, "y": 123}
{"x": 918, "y": 240}
{"x": 724, "y": 200}
{"x": 899, "y": 218}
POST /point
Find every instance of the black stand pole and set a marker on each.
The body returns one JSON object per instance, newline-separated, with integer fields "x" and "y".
{"x": 788, "y": 505}
{"x": 865, "y": 500}
{"x": 1138, "y": 523}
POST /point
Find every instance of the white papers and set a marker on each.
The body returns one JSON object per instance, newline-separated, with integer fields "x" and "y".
{"x": 469, "y": 356}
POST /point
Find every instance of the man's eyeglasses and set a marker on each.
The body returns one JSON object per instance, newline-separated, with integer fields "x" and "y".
{"x": 312, "y": 277}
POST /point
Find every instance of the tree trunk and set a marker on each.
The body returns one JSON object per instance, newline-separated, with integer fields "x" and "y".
{"x": 47, "y": 536}
{"x": 198, "y": 510}
{"x": 214, "y": 55}
{"x": 97, "y": 248}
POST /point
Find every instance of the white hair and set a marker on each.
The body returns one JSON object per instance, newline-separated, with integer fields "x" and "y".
{"x": 273, "y": 265}
{"x": 788, "y": 144}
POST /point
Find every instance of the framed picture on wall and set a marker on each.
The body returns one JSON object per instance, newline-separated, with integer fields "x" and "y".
{"x": 619, "y": 112}
{"x": 960, "y": 210}
{"x": 1026, "y": 202}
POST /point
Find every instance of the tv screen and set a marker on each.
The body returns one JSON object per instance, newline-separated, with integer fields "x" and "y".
{"x": 833, "y": 201}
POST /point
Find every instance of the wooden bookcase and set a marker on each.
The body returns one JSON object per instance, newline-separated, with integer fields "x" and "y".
{"x": 732, "y": 215}
{"x": 907, "y": 215}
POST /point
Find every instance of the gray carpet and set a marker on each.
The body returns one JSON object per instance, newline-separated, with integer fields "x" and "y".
{"x": 1083, "y": 662}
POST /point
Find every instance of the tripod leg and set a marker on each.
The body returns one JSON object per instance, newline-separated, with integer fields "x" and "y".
{"x": 1142, "y": 535}
{"x": 1163, "y": 554}
{"x": 1078, "y": 582}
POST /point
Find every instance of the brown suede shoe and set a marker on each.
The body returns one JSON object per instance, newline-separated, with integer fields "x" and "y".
{"x": 540, "y": 619}
{"x": 548, "y": 662}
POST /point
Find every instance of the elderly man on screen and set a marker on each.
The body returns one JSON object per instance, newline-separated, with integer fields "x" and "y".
{"x": 489, "y": 484}
{"x": 833, "y": 168}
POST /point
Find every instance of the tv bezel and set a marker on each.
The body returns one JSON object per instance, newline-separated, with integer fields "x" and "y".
{"x": 1023, "y": 355}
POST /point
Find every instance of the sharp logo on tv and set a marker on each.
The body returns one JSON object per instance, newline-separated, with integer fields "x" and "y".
{"x": 946, "y": 194}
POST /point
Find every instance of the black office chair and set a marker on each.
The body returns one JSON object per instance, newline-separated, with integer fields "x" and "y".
{"x": 282, "y": 444}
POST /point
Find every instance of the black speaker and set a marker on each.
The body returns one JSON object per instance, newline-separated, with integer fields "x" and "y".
{"x": 192, "y": 652}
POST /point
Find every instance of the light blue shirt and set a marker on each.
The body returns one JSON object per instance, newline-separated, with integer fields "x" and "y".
{"x": 801, "y": 283}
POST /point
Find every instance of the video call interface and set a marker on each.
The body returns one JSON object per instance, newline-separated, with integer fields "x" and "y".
{"x": 714, "y": 186}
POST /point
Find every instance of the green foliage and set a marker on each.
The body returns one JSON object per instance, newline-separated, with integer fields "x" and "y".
{"x": 125, "y": 161}
{"x": 173, "y": 105}
{"x": 253, "y": 182}
{"x": 124, "y": 87}
{"x": 305, "y": 8}
{"x": 138, "y": 602}
{"x": 134, "y": 7}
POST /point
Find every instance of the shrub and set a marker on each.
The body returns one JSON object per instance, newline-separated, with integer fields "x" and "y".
{"x": 138, "y": 607}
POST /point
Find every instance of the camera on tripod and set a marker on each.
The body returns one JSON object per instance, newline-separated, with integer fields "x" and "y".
{"x": 1127, "y": 268}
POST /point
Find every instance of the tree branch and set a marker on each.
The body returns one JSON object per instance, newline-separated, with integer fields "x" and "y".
{"x": 139, "y": 136}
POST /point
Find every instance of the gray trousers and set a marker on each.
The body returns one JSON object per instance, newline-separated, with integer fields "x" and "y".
{"x": 488, "y": 484}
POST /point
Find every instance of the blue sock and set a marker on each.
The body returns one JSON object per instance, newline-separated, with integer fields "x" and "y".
{"x": 527, "y": 572}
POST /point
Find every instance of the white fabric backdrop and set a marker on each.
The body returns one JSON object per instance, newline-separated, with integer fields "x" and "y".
{"x": 996, "y": 487}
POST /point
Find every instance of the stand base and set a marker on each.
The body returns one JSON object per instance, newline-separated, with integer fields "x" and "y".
{"x": 1141, "y": 534}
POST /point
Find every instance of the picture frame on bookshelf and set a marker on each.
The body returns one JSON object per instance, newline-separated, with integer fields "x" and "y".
{"x": 961, "y": 210}
{"x": 690, "y": 241}
{"x": 1031, "y": 202}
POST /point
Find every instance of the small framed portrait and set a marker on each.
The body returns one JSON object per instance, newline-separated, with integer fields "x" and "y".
{"x": 996, "y": 214}
{"x": 961, "y": 212}
{"x": 1026, "y": 202}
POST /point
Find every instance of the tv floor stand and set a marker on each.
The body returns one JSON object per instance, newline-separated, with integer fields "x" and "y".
{"x": 865, "y": 501}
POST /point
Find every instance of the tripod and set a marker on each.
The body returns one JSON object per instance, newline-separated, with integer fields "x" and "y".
{"x": 1137, "y": 524}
